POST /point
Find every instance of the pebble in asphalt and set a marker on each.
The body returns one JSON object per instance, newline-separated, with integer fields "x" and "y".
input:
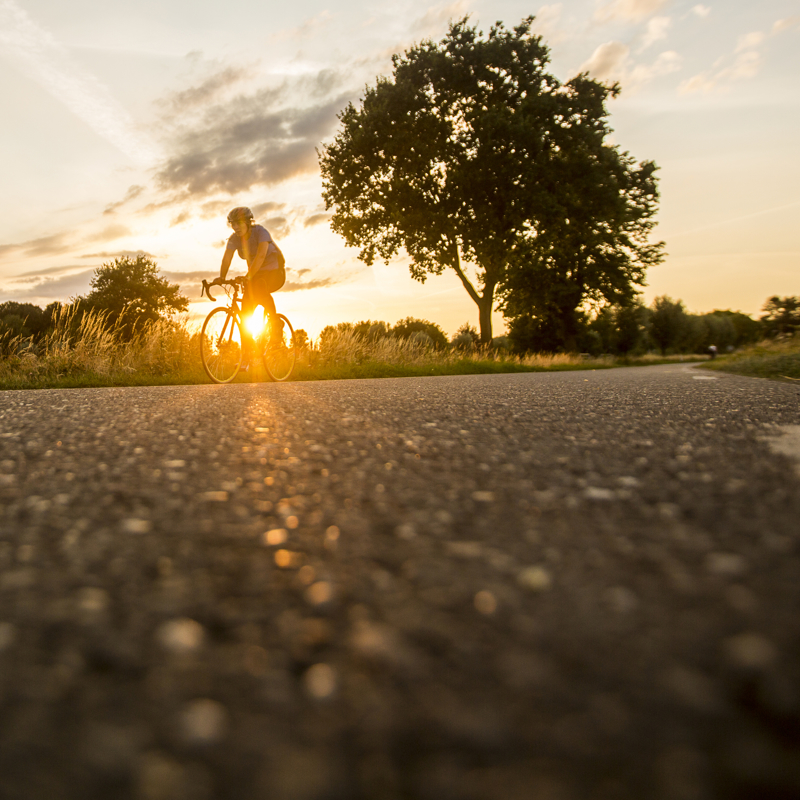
{"x": 574, "y": 585}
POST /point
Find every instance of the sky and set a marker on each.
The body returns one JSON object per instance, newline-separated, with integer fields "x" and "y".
{"x": 135, "y": 126}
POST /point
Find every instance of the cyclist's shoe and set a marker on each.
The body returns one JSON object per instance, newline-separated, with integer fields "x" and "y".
{"x": 275, "y": 333}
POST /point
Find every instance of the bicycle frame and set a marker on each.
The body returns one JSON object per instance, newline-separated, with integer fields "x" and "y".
{"x": 236, "y": 300}
{"x": 278, "y": 355}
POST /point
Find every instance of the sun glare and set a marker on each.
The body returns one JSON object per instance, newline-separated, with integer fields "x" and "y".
{"x": 255, "y": 322}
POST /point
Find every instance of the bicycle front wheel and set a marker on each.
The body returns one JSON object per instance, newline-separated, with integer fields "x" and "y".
{"x": 221, "y": 345}
{"x": 279, "y": 351}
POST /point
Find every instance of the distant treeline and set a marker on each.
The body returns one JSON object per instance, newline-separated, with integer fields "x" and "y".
{"x": 667, "y": 328}
{"x": 664, "y": 327}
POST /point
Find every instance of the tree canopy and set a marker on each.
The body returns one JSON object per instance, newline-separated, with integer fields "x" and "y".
{"x": 781, "y": 315}
{"x": 23, "y": 319}
{"x": 131, "y": 290}
{"x": 473, "y": 155}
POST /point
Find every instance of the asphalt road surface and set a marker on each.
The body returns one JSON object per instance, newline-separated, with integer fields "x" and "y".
{"x": 548, "y": 586}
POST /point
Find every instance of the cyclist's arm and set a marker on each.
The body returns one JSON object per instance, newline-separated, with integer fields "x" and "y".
{"x": 226, "y": 263}
{"x": 257, "y": 262}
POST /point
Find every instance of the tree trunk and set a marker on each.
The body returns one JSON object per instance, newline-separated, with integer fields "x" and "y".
{"x": 484, "y": 301}
{"x": 485, "y": 315}
{"x": 569, "y": 330}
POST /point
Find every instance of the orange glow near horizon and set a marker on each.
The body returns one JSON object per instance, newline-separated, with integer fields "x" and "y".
{"x": 255, "y": 322}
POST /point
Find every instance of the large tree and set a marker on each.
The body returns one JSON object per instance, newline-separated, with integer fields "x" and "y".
{"x": 471, "y": 153}
{"x": 131, "y": 292}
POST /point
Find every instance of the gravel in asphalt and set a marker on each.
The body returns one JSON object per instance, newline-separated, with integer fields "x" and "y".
{"x": 556, "y": 586}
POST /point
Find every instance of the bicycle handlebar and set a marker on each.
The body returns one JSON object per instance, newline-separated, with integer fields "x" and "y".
{"x": 207, "y": 286}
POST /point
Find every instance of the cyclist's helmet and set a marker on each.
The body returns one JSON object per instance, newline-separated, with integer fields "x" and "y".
{"x": 240, "y": 213}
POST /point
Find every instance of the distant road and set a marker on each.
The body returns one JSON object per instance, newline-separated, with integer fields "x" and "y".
{"x": 564, "y": 585}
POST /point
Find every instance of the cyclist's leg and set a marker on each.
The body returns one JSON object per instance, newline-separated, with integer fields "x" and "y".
{"x": 249, "y": 304}
{"x": 269, "y": 281}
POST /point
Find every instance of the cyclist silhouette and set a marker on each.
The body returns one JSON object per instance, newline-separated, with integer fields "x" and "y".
{"x": 265, "y": 268}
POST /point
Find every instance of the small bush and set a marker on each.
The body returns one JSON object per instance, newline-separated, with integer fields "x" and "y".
{"x": 406, "y": 328}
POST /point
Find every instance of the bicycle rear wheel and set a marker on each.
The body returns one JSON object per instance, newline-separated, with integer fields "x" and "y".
{"x": 221, "y": 345}
{"x": 278, "y": 350}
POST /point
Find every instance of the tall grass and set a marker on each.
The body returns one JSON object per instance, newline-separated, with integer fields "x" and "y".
{"x": 85, "y": 350}
{"x": 346, "y": 350}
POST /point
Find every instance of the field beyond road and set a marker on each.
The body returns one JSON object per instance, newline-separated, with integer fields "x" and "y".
{"x": 544, "y": 585}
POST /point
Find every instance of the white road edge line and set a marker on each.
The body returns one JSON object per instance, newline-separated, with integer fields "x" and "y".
{"x": 786, "y": 443}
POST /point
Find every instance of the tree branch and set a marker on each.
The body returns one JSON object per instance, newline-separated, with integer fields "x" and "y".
{"x": 456, "y": 265}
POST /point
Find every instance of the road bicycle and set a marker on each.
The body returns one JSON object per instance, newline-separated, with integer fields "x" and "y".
{"x": 221, "y": 349}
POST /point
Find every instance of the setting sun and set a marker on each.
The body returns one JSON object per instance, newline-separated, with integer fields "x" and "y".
{"x": 255, "y": 322}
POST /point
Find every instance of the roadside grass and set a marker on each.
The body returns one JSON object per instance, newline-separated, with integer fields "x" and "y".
{"x": 85, "y": 352}
{"x": 654, "y": 359}
{"x": 777, "y": 360}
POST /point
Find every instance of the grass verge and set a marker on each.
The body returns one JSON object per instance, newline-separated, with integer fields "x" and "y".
{"x": 775, "y": 360}
{"x": 84, "y": 352}
{"x": 376, "y": 369}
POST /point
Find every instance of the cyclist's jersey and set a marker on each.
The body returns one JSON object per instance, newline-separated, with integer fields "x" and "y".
{"x": 248, "y": 249}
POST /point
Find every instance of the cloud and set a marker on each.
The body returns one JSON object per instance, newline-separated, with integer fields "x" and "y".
{"x": 750, "y": 41}
{"x": 108, "y": 234}
{"x": 36, "y": 53}
{"x": 184, "y": 216}
{"x": 207, "y": 91}
{"x": 50, "y": 289}
{"x": 190, "y": 282}
{"x": 436, "y": 18}
{"x": 607, "y": 61}
{"x": 657, "y": 29}
{"x": 196, "y": 276}
{"x": 667, "y": 62}
{"x": 316, "y": 283}
{"x": 61, "y": 242}
{"x": 265, "y": 208}
{"x": 224, "y": 143}
{"x": 316, "y": 219}
{"x": 39, "y": 273}
{"x": 701, "y": 11}
{"x": 246, "y": 142}
{"x": 306, "y": 29}
{"x": 278, "y": 227}
{"x": 118, "y": 254}
{"x": 611, "y": 62}
{"x": 132, "y": 193}
{"x": 546, "y": 24}
{"x": 54, "y": 244}
{"x": 209, "y": 209}
{"x": 744, "y": 65}
{"x": 628, "y": 9}
{"x": 786, "y": 24}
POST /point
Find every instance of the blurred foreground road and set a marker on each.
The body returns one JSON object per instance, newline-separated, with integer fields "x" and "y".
{"x": 550, "y": 586}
